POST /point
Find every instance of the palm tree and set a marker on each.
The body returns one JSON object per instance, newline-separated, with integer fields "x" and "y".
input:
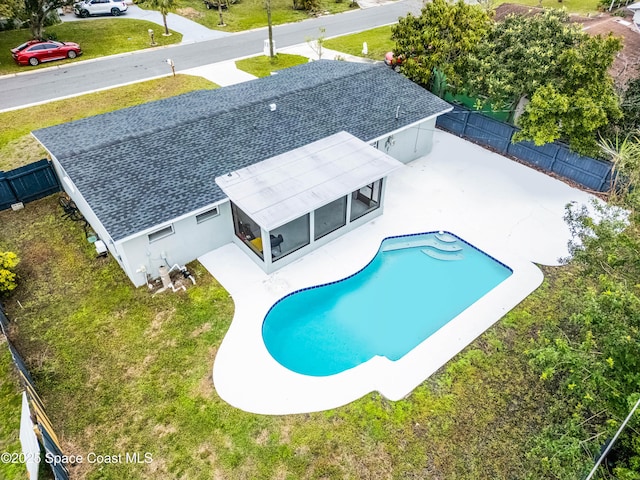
{"x": 624, "y": 154}
{"x": 164, "y": 7}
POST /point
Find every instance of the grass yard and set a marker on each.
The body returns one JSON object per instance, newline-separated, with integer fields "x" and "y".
{"x": 120, "y": 371}
{"x": 249, "y": 14}
{"x": 378, "y": 43}
{"x": 262, "y": 66}
{"x": 582, "y": 7}
{"x": 97, "y": 38}
{"x": 18, "y": 147}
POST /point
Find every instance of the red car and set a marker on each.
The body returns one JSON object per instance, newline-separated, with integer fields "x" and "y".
{"x": 35, "y": 51}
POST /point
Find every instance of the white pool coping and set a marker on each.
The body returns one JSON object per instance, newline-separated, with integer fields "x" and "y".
{"x": 509, "y": 211}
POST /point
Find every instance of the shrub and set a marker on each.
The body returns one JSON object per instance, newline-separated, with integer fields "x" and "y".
{"x": 8, "y": 261}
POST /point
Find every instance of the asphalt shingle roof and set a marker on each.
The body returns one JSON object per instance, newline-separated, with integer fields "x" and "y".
{"x": 145, "y": 165}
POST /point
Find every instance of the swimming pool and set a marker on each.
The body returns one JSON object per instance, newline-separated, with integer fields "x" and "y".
{"x": 414, "y": 286}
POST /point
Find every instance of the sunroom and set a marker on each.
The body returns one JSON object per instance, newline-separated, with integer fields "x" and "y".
{"x": 306, "y": 197}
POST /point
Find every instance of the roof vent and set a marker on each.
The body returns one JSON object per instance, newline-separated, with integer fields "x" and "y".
{"x": 272, "y": 107}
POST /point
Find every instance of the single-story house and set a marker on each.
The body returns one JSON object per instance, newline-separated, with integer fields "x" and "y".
{"x": 297, "y": 158}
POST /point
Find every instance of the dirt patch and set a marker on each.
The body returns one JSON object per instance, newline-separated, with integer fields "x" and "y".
{"x": 164, "y": 430}
{"x": 205, "y": 387}
{"x": 137, "y": 369}
{"x": 190, "y": 13}
{"x": 159, "y": 320}
{"x": 201, "y": 329}
{"x": 285, "y": 433}
{"x": 263, "y": 437}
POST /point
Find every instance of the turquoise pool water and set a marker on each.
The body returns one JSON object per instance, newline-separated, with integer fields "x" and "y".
{"x": 413, "y": 286}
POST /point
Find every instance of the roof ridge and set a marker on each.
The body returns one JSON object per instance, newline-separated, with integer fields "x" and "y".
{"x": 357, "y": 69}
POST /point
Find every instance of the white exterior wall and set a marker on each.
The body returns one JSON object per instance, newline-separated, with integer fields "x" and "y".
{"x": 189, "y": 240}
{"x": 87, "y": 212}
{"x": 409, "y": 144}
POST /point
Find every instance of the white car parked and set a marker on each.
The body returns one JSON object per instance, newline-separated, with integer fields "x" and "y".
{"x": 99, "y": 7}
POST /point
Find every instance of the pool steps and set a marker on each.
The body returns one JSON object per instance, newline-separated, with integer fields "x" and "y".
{"x": 427, "y": 242}
{"x": 446, "y": 237}
{"x": 440, "y": 255}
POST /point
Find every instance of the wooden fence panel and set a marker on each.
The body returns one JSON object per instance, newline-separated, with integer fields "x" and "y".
{"x": 552, "y": 157}
{"x": 28, "y": 183}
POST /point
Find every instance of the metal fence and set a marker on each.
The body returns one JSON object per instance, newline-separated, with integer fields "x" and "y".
{"x": 552, "y": 157}
{"x": 28, "y": 183}
{"x": 47, "y": 437}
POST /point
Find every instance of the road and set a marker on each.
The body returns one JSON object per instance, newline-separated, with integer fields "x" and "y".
{"x": 76, "y": 78}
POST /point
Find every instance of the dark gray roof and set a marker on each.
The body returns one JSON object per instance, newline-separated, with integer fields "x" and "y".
{"x": 145, "y": 165}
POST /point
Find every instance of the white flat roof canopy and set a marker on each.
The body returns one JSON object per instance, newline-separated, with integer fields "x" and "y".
{"x": 282, "y": 188}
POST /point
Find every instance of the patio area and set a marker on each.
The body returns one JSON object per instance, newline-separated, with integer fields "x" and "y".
{"x": 510, "y": 211}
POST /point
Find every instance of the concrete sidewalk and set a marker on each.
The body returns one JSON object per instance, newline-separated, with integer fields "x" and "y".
{"x": 191, "y": 31}
{"x": 226, "y": 73}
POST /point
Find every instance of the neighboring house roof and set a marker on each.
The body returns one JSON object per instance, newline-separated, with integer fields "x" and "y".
{"x": 146, "y": 165}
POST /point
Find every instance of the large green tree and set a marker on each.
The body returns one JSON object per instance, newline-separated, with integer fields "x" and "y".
{"x": 578, "y": 101}
{"x": 550, "y": 62}
{"x": 520, "y": 54}
{"x": 39, "y": 11}
{"x": 440, "y": 38}
{"x": 11, "y": 8}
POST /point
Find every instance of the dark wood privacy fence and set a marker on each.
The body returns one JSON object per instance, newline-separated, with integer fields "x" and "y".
{"x": 553, "y": 157}
{"x": 28, "y": 183}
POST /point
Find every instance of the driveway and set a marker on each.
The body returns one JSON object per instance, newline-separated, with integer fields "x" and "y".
{"x": 191, "y": 31}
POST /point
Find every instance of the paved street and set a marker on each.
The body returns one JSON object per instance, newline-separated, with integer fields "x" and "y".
{"x": 72, "y": 79}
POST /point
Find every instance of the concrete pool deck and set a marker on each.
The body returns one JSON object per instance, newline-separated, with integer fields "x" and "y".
{"x": 510, "y": 211}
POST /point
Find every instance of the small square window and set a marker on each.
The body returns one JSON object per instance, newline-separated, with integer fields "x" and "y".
{"x": 203, "y": 217}
{"x": 163, "y": 232}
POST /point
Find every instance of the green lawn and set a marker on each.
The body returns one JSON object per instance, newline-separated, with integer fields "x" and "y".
{"x": 248, "y": 14}
{"x": 18, "y": 147}
{"x": 262, "y": 66}
{"x": 122, "y": 371}
{"x": 572, "y": 6}
{"x": 97, "y": 38}
{"x": 378, "y": 43}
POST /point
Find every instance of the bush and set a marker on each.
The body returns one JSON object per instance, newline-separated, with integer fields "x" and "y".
{"x": 8, "y": 261}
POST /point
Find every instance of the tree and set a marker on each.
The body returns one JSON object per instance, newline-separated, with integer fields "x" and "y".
{"x": 270, "y": 29}
{"x": 316, "y": 43}
{"x": 38, "y": 12}
{"x": 629, "y": 123}
{"x": 519, "y": 55}
{"x": 11, "y": 8}
{"x": 561, "y": 70}
{"x": 308, "y": 5}
{"x": 164, "y": 7}
{"x": 578, "y": 101}
{"x": 590, "y": 357}
{"x": 440, "y": 38}
{"x": 8, "y": 261}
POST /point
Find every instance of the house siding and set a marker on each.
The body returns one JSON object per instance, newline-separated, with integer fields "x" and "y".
{"x": 409, "y": 144}
{"x": 75, "y": 195}
{"x": 188, "y": 241}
